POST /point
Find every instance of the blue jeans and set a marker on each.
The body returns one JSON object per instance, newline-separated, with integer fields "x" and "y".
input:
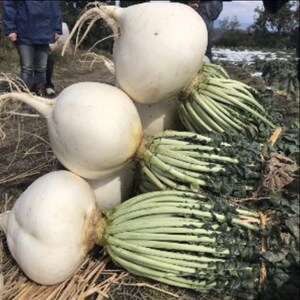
{"x": 33, "y": 61}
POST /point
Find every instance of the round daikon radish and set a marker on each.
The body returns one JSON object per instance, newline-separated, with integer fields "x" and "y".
{"x": 158, "y": 49}
{"x": 94, "y": 128}
{"x": 51, "y": 226}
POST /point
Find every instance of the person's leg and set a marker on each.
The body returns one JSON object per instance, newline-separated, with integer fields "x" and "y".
{"x": 40, "y": 67}
{"x": 49, "y": 72}
{"x": 26, "y": 54}
{"x": 49, "y": 88}
{"x": 208, "y": 52}
{"x": 298, "y": 53}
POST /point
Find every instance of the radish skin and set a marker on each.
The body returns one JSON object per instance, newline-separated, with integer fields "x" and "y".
{"x": 155, "y": 117}
{"x": 114, "y": 189}
{"x": 144, "y": 53}
{"x": 51, "y": 226}
{"x": 159, "y": 116}
{"x": 94, "y": 128}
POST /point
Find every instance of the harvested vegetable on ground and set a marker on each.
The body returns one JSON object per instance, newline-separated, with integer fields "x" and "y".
{"x": 94, "y": 128}
{"x": 183, "y": 239}
{"x": 50, "y": 227}
{"x": 158, "y": 53}
{"x": 146, "y": 66}
{"x": 221, "y": 164}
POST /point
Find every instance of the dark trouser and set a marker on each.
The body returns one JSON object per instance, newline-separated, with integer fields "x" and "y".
{"x": 298, "y": 53}
{"x": 209, "y": 26}
{"x": 208, "y": 52}
{"x": 49, "y": 72}
{"x": 33, "y": 61}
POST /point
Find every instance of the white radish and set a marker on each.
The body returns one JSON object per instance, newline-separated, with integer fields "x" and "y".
{"x": 114, "y": 189}
{"x": 157, "y": 117}
{"x": 50, "y": 228}
{"x": 158, "y": 49}
{"x": 94, "y": 128}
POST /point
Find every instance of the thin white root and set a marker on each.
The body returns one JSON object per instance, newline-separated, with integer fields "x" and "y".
{"x": 92, "y": 58}
{"x": 3, "y": 220}
{"x": 100, "y": 41}
{"x": 96, "y": 12}
{"x": 40, "y": 104}
{"x": 14, "y": 82}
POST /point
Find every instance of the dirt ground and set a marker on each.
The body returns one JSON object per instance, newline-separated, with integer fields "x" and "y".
{"x": 25, "y": 155}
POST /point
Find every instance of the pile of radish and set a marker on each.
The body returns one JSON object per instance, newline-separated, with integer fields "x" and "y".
{"x": 95, "y": 131}
{"x": 110, "y": 138}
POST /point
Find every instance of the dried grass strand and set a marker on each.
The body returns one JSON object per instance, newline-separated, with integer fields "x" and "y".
{"x": 33, "y": 171}
{"x": 92, "y": 58}
{"x": 150, "y": 287}
{"x": 85, "y": 282}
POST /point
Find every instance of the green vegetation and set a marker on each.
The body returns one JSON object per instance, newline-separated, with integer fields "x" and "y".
{"x": 203, "y": 243}
{"x": 223, "y": 164}
{"x": 281, "y": 74}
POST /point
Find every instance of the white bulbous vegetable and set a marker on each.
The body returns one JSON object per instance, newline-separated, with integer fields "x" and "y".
{"x": 51, "y": 226}
{"x": 94, "y": 128}
{"x": 114, "y": 189}
{"x": 158, "y": 49}
{"x": 157, "y": 117}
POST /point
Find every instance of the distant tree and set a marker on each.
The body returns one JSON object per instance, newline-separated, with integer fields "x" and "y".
{"x": 228, "y": 33}
{"x": 279, "y": 26}
{"x": 229, "y": 25}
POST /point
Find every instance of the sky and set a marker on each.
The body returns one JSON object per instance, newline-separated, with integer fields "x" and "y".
{"x": 244, "y": 10}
